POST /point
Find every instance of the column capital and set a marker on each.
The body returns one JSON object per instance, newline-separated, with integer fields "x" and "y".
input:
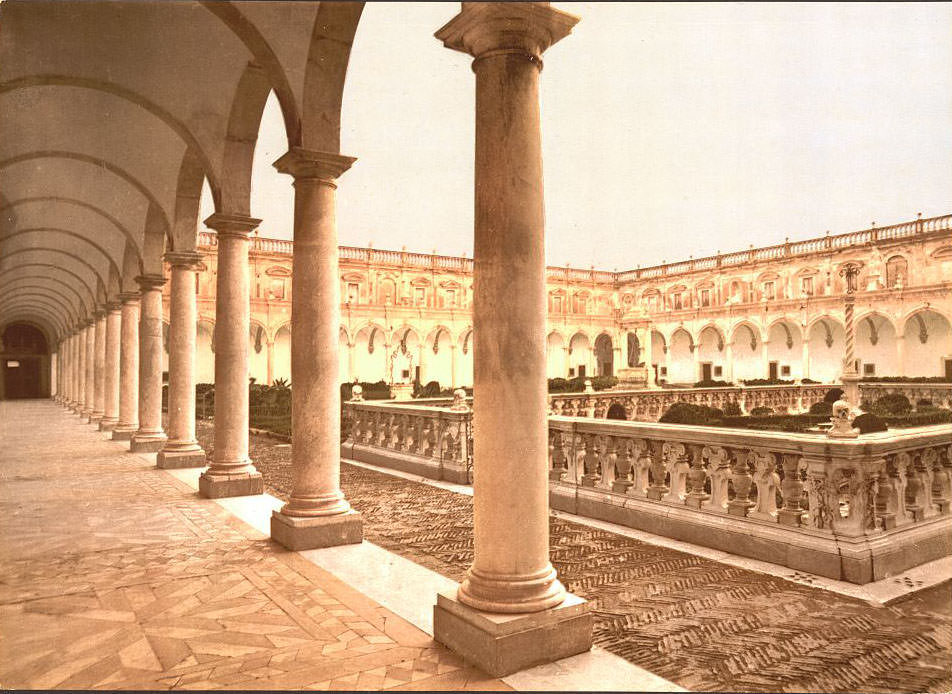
{"x": 114, "y": 306}
{"x": 99, "y": 313}
{"x": 89, "y": 322}
{"x": 310, "y": 164}
{"x": 187, "y": 260}
{"x": 232, "y": 224}
{"x": 482, "y": 29}
{"x": 147, "y": 282}
{"x": 127, "y": 297}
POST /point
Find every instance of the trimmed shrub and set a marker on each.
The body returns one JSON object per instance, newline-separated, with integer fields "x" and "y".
{"x": 919, "y": 419}
{"x": 865, "y": 405}
{"x": 713, "y": 384}
{"x": 823, "y": 407}
{"x": 732, "y": 409}
{"x": 893, "y": 404}
{"x": 757, "y": 411}
{"x": 807, "y": 381}
{"x": 767, "y": 382}
{"x": 905, "y": 379}
{"x": 833, "y": 394}
{"x": 603, "y": 382}
{"x": 868, "y": 423}
{"x": 777, "y": 422}
{"x": 923, "y": 402}
{"x": 687, "y": 413}
{"x": 430, "y": 390}
{"x": 372, "y": 391}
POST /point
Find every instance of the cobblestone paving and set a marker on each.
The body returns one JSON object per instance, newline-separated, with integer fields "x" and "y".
{"x": 114, "y": 575}
{"x": 702, "y": 624}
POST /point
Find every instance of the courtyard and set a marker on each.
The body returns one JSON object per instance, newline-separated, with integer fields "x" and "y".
{"x": 118, "y": 575}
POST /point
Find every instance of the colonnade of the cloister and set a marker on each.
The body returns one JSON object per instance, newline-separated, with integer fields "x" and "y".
{"x": 109, "y": 366}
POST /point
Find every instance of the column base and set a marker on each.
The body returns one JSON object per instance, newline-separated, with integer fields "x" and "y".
{"x": 123, "y": 434}
{"x": 95, "y": 418}
{"x": 319, "y": 531}
{"x": 174, "y": 460}
{"x": 149, "y": 444}
{"x": 502, "y": 644}
{"x": 221, "y": 486}
{"x": 107, "y": 424}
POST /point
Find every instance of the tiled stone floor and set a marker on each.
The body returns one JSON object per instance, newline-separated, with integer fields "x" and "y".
{"x": 114, "y": 575}
{"x": 696, "y": 622}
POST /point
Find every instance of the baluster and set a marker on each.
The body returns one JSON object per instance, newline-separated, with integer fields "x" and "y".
{"x": 719, "y": 470}
{"x": 891, "y": 498}
{"x": 642, "y": 458}
{"x": 676, "y": 463}
{"x": 658, "y": 488}
{"x": 608, "y": 457}
{"x": 926, "y": 470}
{"x": 913, "y": 483}
{"x": 820, "y": 496}
{"x": 941, "y": 490}
{"x": 696, "y": 477}
{"x": 791, "y": 489}
{"x": 386, "y": 430}
{"x": 741, "y": 481}
{"x": 858, "y": 514}
{"x": 624, "y": 462}
{"x": 589, "y": 460}
{"x": 767, "y": 481}
{"x": 559, "y": 464}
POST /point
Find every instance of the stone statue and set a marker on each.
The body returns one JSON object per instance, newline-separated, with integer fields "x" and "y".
{"x": 356, "y": 393}
{"x": 634, "y": 350}
{"x": 842, "y": 420}
{"x": 459, "y": 401}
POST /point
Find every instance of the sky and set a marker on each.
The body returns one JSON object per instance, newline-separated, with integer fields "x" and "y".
{"x": 669, "y": 130}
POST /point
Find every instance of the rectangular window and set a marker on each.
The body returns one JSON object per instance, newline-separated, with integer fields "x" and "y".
{"x": 705, "y": 297}
{"x": 664, "y": 370}
{"x": 353, "y": 293}
{"x": 556, "y": 304}
{"x": 451, "y": 297}
{"x": 276, "y": 291}
{"x": 806, "y": 284}
{"x": 419, "y": 296}
{"x": 769, "y": 290}
{"x": 572, "y": 372}
{"x": 676, "y": 300}
{"x": 784, "y": 370}
{"x": 718, "y": 371}
{"x": 869, "y": 369}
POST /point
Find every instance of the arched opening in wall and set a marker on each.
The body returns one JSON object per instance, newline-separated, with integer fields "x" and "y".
{"x": 25, "y": 357}
{"x": 784, "y": 351}
{"x": 555, "y": 356}
{"x": 710, "y": 347}
{"x": 258, "y": 354}
{"x": 370, "y": 355}
{"x": 827, "y": 345}
{"x": 580, "y": 356}
{"x": 439, "y": 358}
{"x": 205, "y": 352}
{"x": 681, "y": 358}
{"x": 876, "y": 346}
{"x": 604, "y": 355}
{"x": 659, "y": 357}
{"x": 746, "y": 351}
{"x": 282, "y": 354}
{"x": 927, "y": 340}
{"x": 897, "y": 272}
{"x": 616, "y": 411}
{"x": 465, "y": 366}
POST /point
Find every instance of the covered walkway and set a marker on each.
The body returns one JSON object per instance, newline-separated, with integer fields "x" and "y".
{"x": 115, "y": 575}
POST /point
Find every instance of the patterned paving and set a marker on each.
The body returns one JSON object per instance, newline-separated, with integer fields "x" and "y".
{"x": 113, "y": 575}
{"x": 701, "y": 624}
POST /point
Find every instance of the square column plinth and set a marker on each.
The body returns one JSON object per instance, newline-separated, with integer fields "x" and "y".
{"x": 146, "y": 445}
{"x": 502, "y": 644}
{"x": 221, "y": 486}
{"x": 174, "y": 460}
{"x": 123, "y": 434}
{"x": 321, "y": 531}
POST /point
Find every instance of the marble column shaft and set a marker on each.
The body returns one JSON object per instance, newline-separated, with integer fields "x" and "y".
{"x": 231, "y": 472}
{"x": 99, "y": 367}
{"x": 511, "y": 571}
{"x": 89, "y": 369}
{"x": 182, "y": 449}
{"x": 128, "y": 422}
{"x": 150, "y": 436}
{"x": 315, "y": 345}
{"x": 110, "y": 415}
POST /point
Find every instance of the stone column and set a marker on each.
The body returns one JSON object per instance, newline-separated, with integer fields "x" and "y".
{"x": 647, "y": 356}
{"x": 231, "y": 472}
{"x": 729, "y": 362}
{"x": 77, "y": 370}
{"x": 128, "y": 422}
{"x": 351, "y": 360}
{"x": 70, "y": 370}
{"x": 99, "y": 368}
{"x": 805, "y": 364}
{"x": 182, "y": 449}
{"x": 511, "y": 572}
{"x": 900, "y": 354}
{"x": 110, "y": 415}
{"x": 54, "y": 375}
{"x": 317, "y": 514}
{"x": 269, "y": 360}
{"x": 454, "y": 375}
{"x": 150, "y": 438}
{"x": 89, "y": 369}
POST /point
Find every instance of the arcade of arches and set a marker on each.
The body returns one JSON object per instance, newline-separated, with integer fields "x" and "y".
{"x": 115, "y": 115}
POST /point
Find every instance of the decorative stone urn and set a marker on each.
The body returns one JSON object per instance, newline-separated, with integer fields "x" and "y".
{"x": 459, "y": 401}
{"x": 401, "y": 391}
{"x": 357, "y": 393}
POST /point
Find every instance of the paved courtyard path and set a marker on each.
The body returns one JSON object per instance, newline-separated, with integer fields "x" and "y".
{"x": 704, "y": 625}
{"x": 115, "y": 575}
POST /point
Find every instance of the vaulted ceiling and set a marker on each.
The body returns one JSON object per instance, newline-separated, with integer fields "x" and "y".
{"x": 112, "y": 114}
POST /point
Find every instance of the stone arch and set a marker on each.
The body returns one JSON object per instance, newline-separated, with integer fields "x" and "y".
{"x": 604, "y": 355}
{"x": 437, "y": 362}
{"x": 370, "y": 353}
{"x": 281, "y": 352}
{"x": 897, "y": 271}
{"x": 927, "y": 342}
{"x": 555, "y": 355}
{"x": 681, "y": 357}
{"x": 826, "y": 339}
{"x": 580, "y": 354}
{"x": 711, "y": 352}
{"x": 876, "y": 344}
{"x": 24, "y": 361}
{"x": 747, "y": 347}
{"x": 784, "y": 346}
